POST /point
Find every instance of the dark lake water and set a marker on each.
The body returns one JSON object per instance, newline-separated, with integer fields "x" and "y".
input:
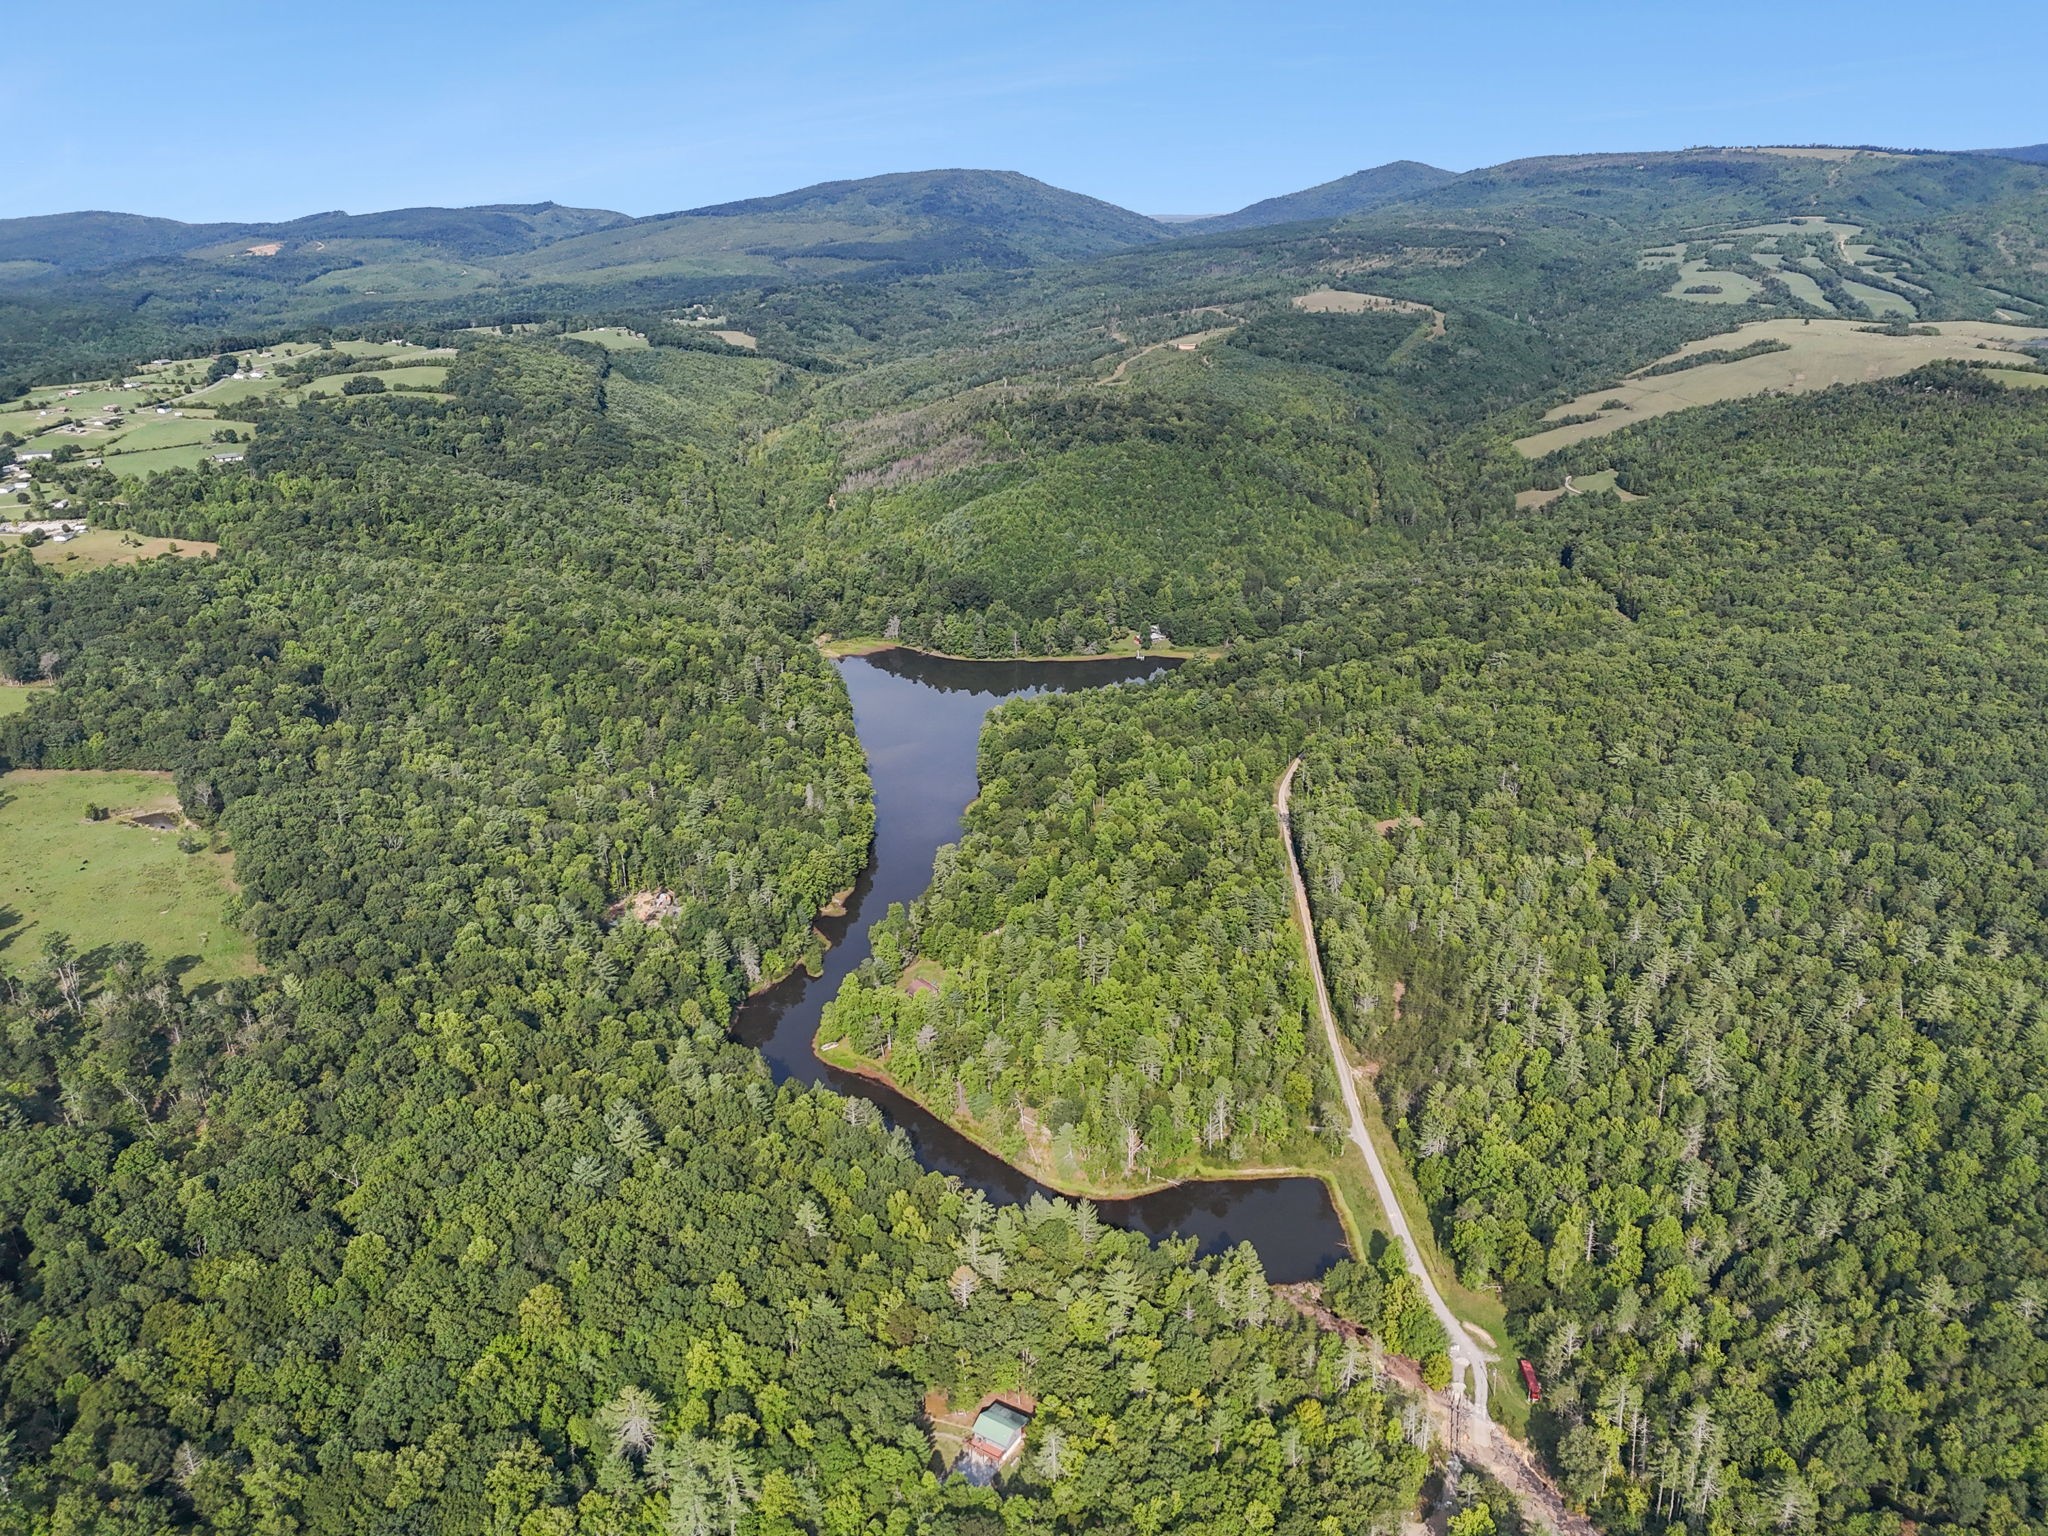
{"x": 919, "y": 719}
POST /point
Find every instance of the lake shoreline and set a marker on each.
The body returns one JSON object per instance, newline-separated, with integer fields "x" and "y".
{"x": 838, "y": 1054}
{"x": 838, "y": 648}
{"x": 919, "y": 719}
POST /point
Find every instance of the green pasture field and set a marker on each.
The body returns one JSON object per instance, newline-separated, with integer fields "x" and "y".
{"x": 14, "y": 698}
{"x": 111, "y": 881}
{"x": 1805, "y": 226}
{"x": 91, "y": 399}
{"x": 411, "y": 375}
{"x": 234, "y": 392}
{"x": 156, "y": 431}
{"x": 101, "y": 547}
{"x": 1880, "y": 301}
{"x": 613, "y": 338}
{"x": 1733, "y": 287}
{"x": 148, "y": 461}
{"x": 1804, "y": 287}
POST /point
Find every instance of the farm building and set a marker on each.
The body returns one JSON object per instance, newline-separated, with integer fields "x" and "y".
{"x": 995, "y": 1442}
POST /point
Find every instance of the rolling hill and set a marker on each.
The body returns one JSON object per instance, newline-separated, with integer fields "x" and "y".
{"x": 1356, "y": 193}
{"x": 1696, "y": 184}
{"x": 96, "y": 241}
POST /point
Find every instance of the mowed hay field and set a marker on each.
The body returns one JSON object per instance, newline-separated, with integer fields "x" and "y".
{"x": 1723, "y": 287}
{"x": 112, "y": 881}
{"x": 1821, "y": 354}
{"x": 404, "y": 376}
{"x": 154, "y": 431}
{"x": 613, "y": 338}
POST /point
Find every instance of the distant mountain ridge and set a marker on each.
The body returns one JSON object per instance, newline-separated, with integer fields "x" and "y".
{"x": 904, "y": 221}
{"x": 2036, "y": 154}
{"x": 1359, "y": 192}
{"x": 96, "y": 241}
{"x": 215, "y": 276}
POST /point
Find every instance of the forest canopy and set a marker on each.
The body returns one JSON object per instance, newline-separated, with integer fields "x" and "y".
{"x": 1670, "y": 812}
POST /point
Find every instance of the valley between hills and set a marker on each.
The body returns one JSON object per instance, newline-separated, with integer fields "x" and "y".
{"x": 924, "y": 855}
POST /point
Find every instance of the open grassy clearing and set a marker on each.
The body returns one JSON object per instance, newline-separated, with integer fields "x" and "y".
{"x": 1813, "y": 224}
{"x": 2018, "y": 378}
{"x": 1148, "y": 356}
{"x": 76, "y": 400}
{"x": 1574, "y": 485}
{"x": 1600, "y": 480}
{"x": 148, "y": 461}
{"x": 922, "y": 975}
{"x": 1820, "y": 354}
{"x": 1341, "y": 301}
{"x": 1820, "y": 152}
{"x": 231, "y": 392}
{"x": 410, "y": 277}
{"x": 15, "y": 697}
{"x": 1767, "y": 243}
{"x": 1717, "y": 287}
{"x": 613, "y": 338}
{"x": 1804, "y": 288}
{"x": 111, "y": 881}
{"x": 737, "y": 339}
{"x": 154, "y": 431}
{"x": 405, "y": 376}
{"x": 1880, "y": 301}
{"x": 98, "y": 548}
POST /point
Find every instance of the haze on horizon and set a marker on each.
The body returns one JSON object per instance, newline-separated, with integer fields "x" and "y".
{"x": 204, "y": 111}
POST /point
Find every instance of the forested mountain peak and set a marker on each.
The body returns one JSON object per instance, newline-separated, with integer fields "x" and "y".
{"x": 910, "y": 219}
{"x": 95, "y": 238}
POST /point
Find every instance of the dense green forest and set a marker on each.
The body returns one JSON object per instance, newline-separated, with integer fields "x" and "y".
{"x": 1673, "y": 859}
{"x": 1719, "y": 925}
{"x": 465, "y": 1215}
{"x": 1122, "y": 1001}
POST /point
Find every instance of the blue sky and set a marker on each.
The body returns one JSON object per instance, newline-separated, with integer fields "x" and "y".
{"x": 200, "y": 109}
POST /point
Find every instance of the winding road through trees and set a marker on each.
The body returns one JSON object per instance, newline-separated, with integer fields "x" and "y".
{"x": 1480, "y": 1440}
{"x": 1468, "y": 1359}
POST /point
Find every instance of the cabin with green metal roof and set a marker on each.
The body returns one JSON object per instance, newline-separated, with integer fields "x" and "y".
{"x": 995, "y": 1441}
